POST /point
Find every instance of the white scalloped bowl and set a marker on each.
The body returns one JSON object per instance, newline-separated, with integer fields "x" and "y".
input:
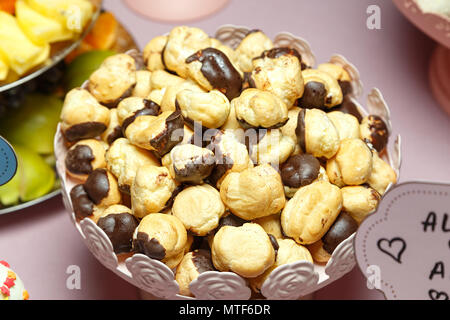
{"x": 291, "y": 281}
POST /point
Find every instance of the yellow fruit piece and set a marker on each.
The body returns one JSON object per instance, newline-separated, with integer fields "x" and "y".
{"x": 4, "y": 68}
{"x": 39, "y": 28}
{"x": 72, "y": 14}
{"x": 81, "y": 12}
{"x": 11, "y": 77}
{"x": 20, "y": 52}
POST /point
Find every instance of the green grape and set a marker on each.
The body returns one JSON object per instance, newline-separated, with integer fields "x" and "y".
{"x": 34, "y": 179}
{"x": 33, "y": 125}
{"x": 9, "y": 192}
{"x": 35, "y": 175}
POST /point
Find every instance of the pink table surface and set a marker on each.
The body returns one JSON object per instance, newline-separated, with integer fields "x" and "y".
{"x": 41, "y": 242}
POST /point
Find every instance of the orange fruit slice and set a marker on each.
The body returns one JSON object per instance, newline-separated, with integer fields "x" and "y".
{"x": 104, "y": 33}
{"x": 8, "y": 6}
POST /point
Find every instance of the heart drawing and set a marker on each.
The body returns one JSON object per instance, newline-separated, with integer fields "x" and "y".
{"x": 393, "y": 248}
{"x": 436, "y": 295}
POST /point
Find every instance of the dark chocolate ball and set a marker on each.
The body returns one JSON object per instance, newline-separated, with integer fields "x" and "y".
{"x": 119, "y": 227}
{"x": 342, "y": 228}
{"x": 79, "y": 159}
{"x": 300, "y": 170}
{"x": 314, "y": 95}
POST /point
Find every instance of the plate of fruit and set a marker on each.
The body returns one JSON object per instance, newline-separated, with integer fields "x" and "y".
{"x": 30, "y": 106}
{"x": 37, "y": 34}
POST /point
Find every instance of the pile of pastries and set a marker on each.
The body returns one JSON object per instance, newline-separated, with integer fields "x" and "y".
{"x": 207, "y": 157}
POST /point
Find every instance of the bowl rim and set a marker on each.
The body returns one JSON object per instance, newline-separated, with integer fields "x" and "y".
{"x": 28, "y": 204}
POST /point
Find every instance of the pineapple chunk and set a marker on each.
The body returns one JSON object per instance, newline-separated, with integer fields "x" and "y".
{"x": 39, "y": 28}
{"x": 11, "y": 77}
{"x": 72, "y": 14}
{"x": 40, "y": 59}
{"x": 20, "y": 52}
{"x": 80, "y": 12}
{"x": 4, "y": 68}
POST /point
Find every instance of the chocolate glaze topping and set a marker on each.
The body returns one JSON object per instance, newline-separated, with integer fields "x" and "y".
{"x": 84, "y": 130}
{"x": 81, "y": 203}
{"x": 378, "y": 132}
{"x": 162, "y": 56}
{"x": 300, "y": 170}
{"x": 280, "y": 51}
{"x": 342, "y": 228}
{"x": 346, "y": 87}
{"x": 223, "y": 164}
{"x": 274, "y": 243}
{"x": 150, "y": 109}
{"x": 97, "y": 185}
{"x": 314, "y": 95}
{"x": 219, "y": 71}
{"x": 150, "y": 247}
{"x": 165, "y": 141}
{"x": 300, "y": 130}
{"x": 119, "y": 228}
{"x": 78, "y": 160}
{"x": 244, "y": 124}
{"x": 114, "y": 135}
{"x": 348, "y": 106}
